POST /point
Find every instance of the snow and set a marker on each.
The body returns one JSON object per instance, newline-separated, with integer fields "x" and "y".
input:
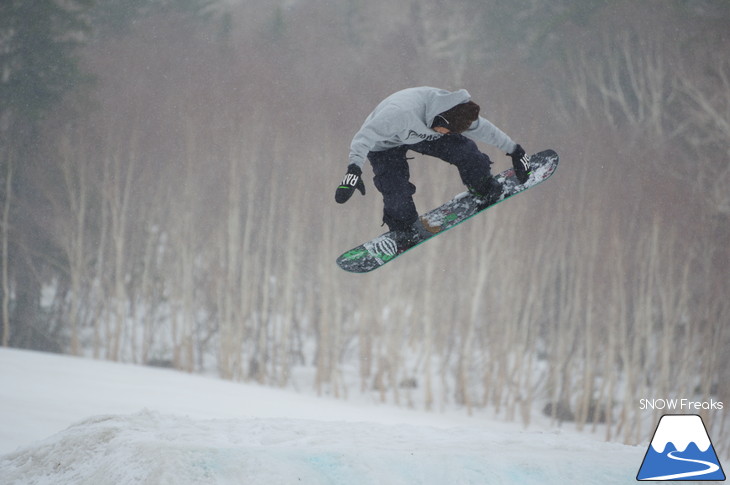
{"x": 66, "y": 420}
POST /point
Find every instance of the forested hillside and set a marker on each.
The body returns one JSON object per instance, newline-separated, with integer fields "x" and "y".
{"x": 168, "y": 178}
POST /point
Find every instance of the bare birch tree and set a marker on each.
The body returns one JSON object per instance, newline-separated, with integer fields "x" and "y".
{"x": 5, "y": 241}
{"x": 77, "y": 184}
{"x": 706, "y": 129}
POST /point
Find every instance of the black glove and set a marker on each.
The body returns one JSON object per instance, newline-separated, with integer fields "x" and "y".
{"x": 351, "y": 182}
{"x": 521, "y": 163}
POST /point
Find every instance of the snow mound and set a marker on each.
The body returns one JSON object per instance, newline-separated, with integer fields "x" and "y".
{"x": 152, "y": 448}
{"x": 67, "y": 420}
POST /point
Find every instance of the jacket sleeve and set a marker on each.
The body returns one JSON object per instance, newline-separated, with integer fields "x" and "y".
{"x": 483, "y": 130}
{"x": 382, "y": 127}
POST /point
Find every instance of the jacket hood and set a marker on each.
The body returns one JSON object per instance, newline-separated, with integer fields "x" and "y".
{"x": 442, "y": 100}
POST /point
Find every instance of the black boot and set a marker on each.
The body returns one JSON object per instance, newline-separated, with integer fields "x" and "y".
{"x": 415, "y": 233}
{"x": 488, "y": 191}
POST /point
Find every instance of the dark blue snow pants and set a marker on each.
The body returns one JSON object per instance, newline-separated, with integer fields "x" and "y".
{"x": 392, "y": 177}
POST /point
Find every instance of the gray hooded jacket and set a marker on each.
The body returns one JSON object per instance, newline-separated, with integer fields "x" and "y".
{"x": 405, "y": 118}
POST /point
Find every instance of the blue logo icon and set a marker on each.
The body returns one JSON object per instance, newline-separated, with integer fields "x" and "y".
{"x": 681, "y": 450}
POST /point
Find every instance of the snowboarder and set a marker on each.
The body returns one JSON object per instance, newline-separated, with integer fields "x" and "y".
{"x": 434, "y": 122}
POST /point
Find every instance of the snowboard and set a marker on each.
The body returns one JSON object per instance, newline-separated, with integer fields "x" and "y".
{"x": 384, "y": 248}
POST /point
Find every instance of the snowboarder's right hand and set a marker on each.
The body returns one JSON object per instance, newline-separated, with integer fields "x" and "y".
{"x": 352, "y": 181}
{"x": 521, "y": 164}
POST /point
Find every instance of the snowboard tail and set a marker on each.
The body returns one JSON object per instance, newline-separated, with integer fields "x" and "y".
{"x": 384, "y": 248}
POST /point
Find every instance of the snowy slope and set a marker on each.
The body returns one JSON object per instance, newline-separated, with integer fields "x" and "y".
{"x": 66, "y": 420}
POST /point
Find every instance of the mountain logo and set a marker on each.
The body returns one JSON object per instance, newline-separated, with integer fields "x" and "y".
{"x": 681, "y": 450}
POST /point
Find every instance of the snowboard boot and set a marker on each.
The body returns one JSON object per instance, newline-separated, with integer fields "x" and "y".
{"x": 415, "y": 233}
{"x": 487, "y": 193}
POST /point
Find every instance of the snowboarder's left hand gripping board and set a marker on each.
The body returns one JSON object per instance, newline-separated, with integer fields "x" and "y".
{"x": 383, "y": 249}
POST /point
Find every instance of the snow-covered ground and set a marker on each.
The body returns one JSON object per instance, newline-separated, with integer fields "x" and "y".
{"x": 66, "y": 420}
